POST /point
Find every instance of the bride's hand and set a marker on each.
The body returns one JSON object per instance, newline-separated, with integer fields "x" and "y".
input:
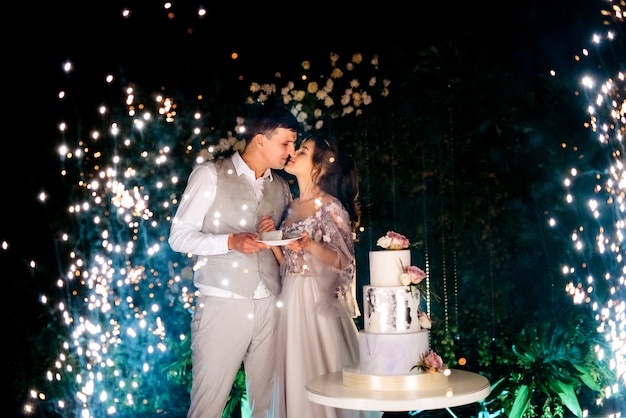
{"x": 265, "y": 224}
{"x": 300, "y": 244}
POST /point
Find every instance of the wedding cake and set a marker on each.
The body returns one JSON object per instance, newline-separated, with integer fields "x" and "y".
{"x": 394, "y": 345}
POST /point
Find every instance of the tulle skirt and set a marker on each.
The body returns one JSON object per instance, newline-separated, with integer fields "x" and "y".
{"x": 310, "y": 343}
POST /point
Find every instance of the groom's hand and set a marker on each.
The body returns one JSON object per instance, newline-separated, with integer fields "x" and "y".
{"x": 246, "y": 242}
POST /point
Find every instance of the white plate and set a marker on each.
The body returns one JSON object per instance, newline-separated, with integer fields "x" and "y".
{"x": 287, "y": 238}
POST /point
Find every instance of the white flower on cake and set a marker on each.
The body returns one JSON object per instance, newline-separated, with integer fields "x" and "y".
{"x": 393, "y": 241}
{"x": 431, "y": 362}
{"x": 425, "y": 321}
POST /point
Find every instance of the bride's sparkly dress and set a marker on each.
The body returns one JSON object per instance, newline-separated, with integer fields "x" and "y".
{"x": 316, "y": 332}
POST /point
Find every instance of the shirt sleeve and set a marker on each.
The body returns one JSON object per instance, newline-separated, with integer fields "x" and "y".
{"x": 186, "y": 235}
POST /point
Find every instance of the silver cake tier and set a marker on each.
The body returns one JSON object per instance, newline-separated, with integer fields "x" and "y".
{"x": 391, "y": 310}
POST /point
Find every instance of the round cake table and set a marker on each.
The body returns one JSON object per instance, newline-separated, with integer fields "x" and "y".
{"x": 463, "y": 388}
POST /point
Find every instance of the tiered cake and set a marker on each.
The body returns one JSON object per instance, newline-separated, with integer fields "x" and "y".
{"x": 393, "y": 342}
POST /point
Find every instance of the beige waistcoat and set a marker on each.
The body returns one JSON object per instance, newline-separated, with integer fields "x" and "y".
{"x": 236, "y": 209}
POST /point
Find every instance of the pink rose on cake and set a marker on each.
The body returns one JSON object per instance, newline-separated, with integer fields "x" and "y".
{"x": 414, "y": 276}
{"x": 431, "y": 362}
{"x": 393, "y": 241}
{"x": 411, "y": 275}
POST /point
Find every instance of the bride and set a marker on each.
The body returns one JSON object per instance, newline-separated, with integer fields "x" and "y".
{"x": 316, "y": 333}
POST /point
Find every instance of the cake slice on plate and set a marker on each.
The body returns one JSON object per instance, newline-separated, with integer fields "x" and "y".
{"x": 272, "y": 235}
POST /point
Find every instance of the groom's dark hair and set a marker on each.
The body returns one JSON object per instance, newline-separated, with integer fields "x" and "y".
{"x": 265, "y": 118}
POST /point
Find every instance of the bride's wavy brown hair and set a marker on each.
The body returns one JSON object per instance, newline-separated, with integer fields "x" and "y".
{"x": 336, "y": 174}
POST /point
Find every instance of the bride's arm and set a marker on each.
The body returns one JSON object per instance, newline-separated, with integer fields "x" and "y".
{"x": 278, "y": 253}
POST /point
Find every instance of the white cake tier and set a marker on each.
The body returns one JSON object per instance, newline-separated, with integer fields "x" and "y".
{"x": 386, "y": 266}
{"x": 386, "y": 361}
{"x": 392, "y": 354}
{"x": 391, "y": 310}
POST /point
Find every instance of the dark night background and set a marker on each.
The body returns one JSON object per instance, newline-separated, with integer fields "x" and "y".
{"x": 192, "y": 54}
{"x": 528, "y": 37}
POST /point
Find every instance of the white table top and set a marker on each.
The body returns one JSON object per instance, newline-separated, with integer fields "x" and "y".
{"x": 463, "y": 388}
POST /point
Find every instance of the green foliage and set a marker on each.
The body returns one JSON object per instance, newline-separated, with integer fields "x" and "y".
{"x": 237, "y": 396}
{"x": 554, "y": 360}
{"x": 522, "y": 401}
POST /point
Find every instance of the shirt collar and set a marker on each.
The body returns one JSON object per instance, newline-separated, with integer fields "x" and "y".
{"x": 242, "y": 168}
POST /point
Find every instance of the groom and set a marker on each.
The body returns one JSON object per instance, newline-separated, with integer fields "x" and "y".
{"x": 237, "y": 276}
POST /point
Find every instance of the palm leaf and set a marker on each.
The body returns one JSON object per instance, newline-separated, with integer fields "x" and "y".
{"x": 522, "y": 400}
{"x": 587, "y": 377}
{"x": 568, "y": 397}
{"x": 501, "y": 385}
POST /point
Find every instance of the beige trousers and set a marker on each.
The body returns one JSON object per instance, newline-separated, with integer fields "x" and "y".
{"x": 224, "y": 333}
